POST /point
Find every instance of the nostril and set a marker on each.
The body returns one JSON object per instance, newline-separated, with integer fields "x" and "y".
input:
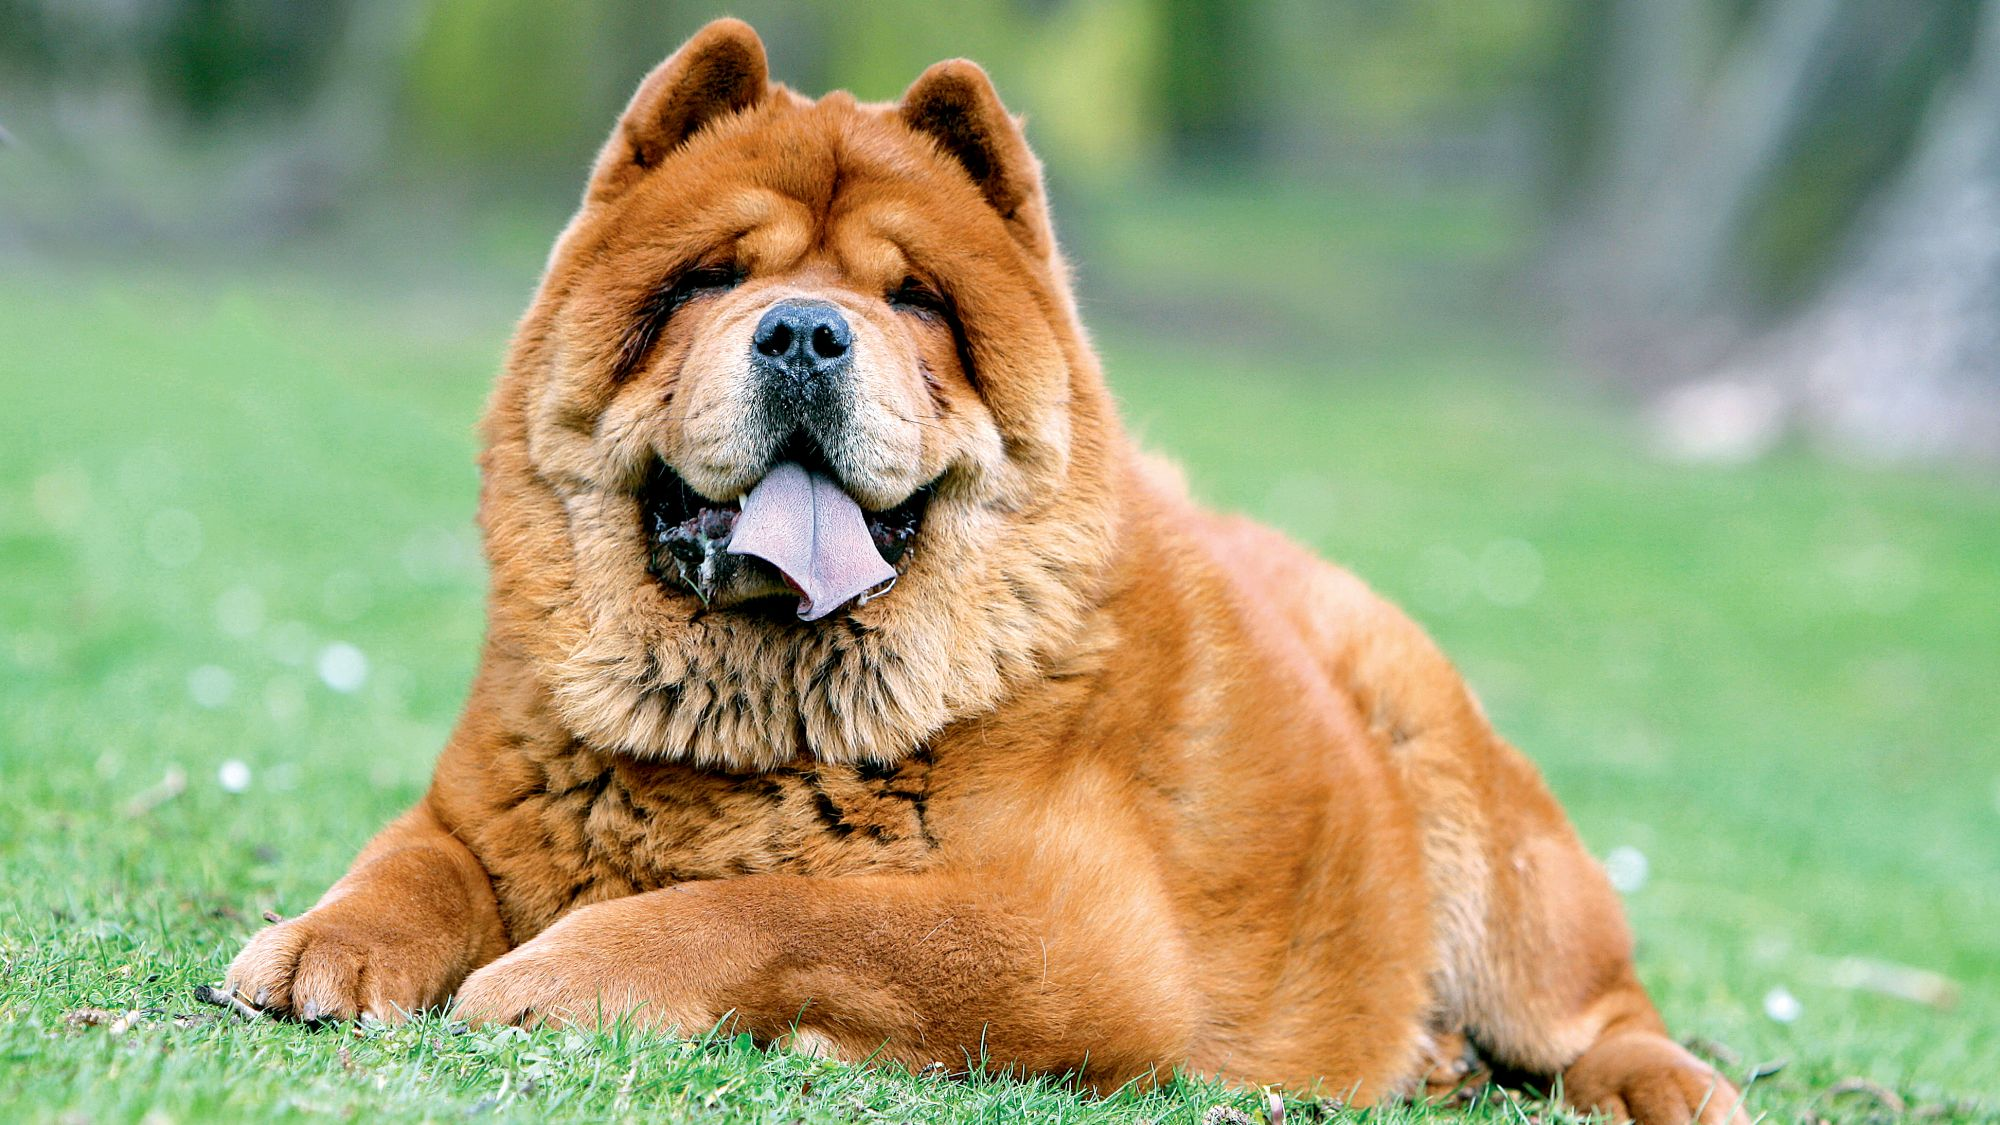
{"x": 810, "y": 336}
{"x": 827, "y": 343}
{"x": 776, "y": 339}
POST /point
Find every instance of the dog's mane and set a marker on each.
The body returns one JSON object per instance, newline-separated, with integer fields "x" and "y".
{"x": 630, "y": 667}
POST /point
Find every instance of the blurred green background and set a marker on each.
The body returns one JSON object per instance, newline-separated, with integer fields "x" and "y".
{"x": 1645, "y": 349}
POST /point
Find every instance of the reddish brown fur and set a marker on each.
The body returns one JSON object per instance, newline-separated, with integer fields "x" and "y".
{"x": 1107, "y": 784}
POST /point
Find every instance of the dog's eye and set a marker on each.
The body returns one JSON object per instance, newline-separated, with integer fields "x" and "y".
{"x": 703, "y": 280}
{"x": 915, "y": 296}
{"x": 650, "y": 318}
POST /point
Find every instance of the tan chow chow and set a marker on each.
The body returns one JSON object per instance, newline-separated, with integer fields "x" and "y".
{"x": 851, "y": 676}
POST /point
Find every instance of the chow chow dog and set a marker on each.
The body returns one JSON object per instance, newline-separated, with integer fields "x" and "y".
{"x": 854, "y": 679}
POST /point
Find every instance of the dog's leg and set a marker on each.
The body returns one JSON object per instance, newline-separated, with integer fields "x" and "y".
{"x": 910, "y": 969}
{"x": 1554, "y": 991}
{"x": 1534, "y": 959}
{"x": 412, "y": 917}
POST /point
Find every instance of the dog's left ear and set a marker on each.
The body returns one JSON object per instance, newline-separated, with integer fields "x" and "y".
{"x": 954, "y": 104}
{"x": 720, "y": 70}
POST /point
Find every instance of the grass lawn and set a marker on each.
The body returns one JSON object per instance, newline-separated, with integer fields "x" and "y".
{"x": 240, "y": 600}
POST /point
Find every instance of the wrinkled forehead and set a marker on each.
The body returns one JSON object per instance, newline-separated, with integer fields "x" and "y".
{"x": 801, "y": 186}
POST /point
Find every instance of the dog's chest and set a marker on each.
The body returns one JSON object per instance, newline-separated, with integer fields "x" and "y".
{"x": 588, "y": 827}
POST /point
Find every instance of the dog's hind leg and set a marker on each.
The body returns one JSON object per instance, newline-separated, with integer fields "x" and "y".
{"x": 1550, "y": 988}
{"x": 1534, "y": 962}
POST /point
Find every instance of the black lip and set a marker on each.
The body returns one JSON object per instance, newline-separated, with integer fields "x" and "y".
{"x": 895, "y": 529}
{"x": 686, "y": 532}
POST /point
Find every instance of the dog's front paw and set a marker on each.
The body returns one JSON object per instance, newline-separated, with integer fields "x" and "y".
{"x": 529, "y": 989}
{"x": 1650, "y": 1079}
{"x": 546, "y": 985}
{"x": 578, "y": 972}
{"x": 330, "y": 964}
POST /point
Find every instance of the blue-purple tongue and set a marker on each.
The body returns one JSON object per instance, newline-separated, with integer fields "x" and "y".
{"x": 807, "y": 526}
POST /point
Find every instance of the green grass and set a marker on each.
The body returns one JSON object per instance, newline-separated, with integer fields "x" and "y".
{"x": 1774, "y": 681}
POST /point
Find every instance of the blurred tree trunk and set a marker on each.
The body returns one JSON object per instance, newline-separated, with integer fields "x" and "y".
{"x": 342, "y": 132}
{"x": 1735, "y": 141}
{"x": 1687, "y": 157}
{"x": 1657, "y": 53}
{"x": 1210, "y": 60}
{"x": 1900, "y": 355}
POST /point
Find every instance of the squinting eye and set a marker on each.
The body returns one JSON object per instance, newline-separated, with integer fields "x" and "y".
{"x": 915, "y": 296}
{"x": 652, "y": 315}
{"x": 706, "y": 279}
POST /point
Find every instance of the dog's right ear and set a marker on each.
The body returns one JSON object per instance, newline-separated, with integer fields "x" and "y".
{"x": 719, "y": 71}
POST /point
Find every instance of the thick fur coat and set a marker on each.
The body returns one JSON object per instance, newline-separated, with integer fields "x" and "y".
{"x": 1105, "y": 784}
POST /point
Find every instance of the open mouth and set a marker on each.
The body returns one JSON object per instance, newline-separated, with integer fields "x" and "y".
{"x": 796, "y": 533}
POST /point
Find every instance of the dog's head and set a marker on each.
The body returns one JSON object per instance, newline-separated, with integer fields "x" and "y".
{"x": 799, "y": 448}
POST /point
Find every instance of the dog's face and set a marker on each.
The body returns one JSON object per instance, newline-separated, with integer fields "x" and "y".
{"x": 794, "y": 307}
{"x": 801, "y": 388}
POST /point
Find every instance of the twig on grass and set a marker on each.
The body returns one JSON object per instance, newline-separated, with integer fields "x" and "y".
{"x": 1887, "y": 978}
{"x": 92, "y": 1017}
{"x": 116, "y": 1022}
{"x": 171, "y": 785}
{"x": 1713, "y": 1051}
{"x": 1885, "y": 1097}
{"x": 227, "y": 1000}
{"x": 1770, "y": 1068}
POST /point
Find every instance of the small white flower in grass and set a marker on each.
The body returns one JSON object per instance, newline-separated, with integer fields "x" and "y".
{"x": 1781, "y": 1005}
{"x": 234, "y": 776}
{"x": 211, "y": 686}
{"x": 1627, "y": 868}
{"x": 343, "y": 667}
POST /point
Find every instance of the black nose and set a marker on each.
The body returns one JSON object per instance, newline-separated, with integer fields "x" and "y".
{"x": 803, "y": 337}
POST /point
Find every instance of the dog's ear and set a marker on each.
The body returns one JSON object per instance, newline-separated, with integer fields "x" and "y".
{"x": 719, "y": 71}
{"x": 955, "y": 105}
